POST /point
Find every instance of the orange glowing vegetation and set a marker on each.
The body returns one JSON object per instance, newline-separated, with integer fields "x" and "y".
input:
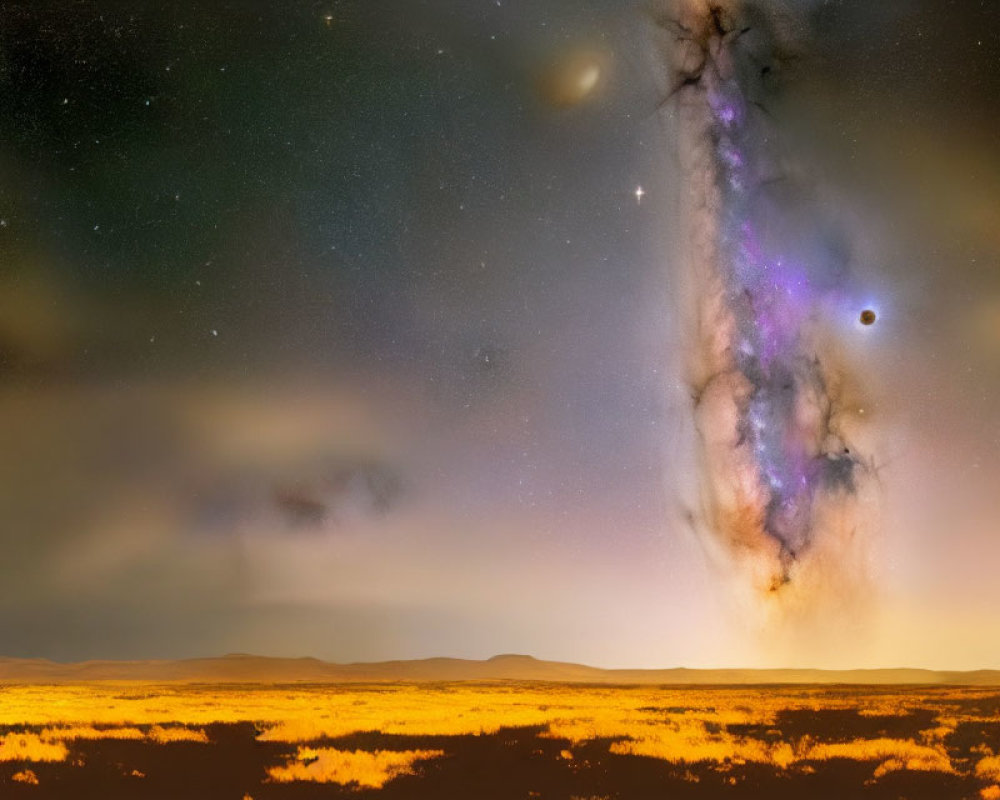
{"x": 25, "y": 776}
{"x": 329, "y": 765}
{"x": 719, "y": 728}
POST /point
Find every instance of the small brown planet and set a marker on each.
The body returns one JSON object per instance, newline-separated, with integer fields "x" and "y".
{"x": 867, "y": 317}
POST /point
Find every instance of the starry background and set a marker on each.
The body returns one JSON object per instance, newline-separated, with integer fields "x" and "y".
{"x": 340, "y": 329}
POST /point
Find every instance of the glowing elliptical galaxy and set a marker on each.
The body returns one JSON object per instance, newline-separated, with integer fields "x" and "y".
{"x": 781, "y": 481}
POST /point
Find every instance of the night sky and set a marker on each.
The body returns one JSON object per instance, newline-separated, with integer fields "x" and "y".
{"x": 347, "y": 329}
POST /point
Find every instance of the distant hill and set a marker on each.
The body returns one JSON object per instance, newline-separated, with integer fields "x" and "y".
{"x": 239, "y": 668}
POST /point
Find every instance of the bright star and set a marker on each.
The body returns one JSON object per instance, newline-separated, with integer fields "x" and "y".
{"x": 639, "y": 192}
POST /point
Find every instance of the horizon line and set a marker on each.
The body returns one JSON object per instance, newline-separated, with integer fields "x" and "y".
{"x": 508, "y": 661}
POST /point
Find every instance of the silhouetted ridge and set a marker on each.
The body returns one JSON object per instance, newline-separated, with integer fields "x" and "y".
{"x": 246, "y": 668}
{"x": 513, "y": 657}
